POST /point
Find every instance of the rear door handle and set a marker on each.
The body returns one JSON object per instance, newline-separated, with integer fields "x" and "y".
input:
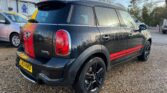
{"x": 106, "y": 37}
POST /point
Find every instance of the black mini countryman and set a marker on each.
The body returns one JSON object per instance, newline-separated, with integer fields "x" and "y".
{"x": 74, "y": 43}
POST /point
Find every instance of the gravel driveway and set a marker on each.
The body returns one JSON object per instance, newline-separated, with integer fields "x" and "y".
{"x": 130, "y": 77}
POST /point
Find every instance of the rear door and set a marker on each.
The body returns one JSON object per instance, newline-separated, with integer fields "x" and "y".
{"x": 135, "y": 37}
{"x": 113, "y": 36}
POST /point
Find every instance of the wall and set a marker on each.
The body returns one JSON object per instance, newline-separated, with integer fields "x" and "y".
{"x": 25, "y": 7}
{"x": 3, "y": 5}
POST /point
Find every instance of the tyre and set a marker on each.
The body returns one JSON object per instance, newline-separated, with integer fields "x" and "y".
{"x": 15, "y": 40}
{"x": 164, "y": 32}
{"x": 91, "y": 77}
{"x": 146, "y": 52}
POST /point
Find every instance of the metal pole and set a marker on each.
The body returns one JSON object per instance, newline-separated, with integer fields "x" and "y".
{"x": 17, "y": 5}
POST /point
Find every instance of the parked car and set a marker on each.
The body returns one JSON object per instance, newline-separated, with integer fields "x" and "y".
{"x": 164, "y": 26}
{"x": 76, "y": 42}
{"x": 10, "y": 25}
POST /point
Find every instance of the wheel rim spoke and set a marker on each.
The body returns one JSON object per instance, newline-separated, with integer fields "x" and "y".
{"x": 94, "y": 77}
{"x": 147, "y": 51}
{"x": 15, "y": 40}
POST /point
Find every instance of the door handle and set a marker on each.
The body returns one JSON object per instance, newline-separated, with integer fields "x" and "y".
{"x": 106, "y": 37}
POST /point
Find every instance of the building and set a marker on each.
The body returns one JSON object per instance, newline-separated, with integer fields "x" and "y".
{"x": 25, "y": 7}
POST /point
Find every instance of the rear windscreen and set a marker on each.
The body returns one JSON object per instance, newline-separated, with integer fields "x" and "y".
{"x": 55, "y": 13}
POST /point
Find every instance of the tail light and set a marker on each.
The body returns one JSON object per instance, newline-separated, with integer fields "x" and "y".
{"x": 28, "y": 39}
{"x": 62, "y": 43}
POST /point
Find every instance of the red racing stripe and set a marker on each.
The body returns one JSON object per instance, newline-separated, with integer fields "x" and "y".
{"x": 123, "y": 53}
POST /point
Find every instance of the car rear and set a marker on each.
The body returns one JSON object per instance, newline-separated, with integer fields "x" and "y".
{"x": 44, "y": 54}
{"x": 164, "y": 26}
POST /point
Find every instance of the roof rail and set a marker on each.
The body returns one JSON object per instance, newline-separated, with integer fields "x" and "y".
{"x": 108, "y": 2}
{"x": 118, "y": 4}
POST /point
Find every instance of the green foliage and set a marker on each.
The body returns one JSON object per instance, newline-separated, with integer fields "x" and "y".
{"x": 157, "y": 15}
{"x": 145, "y": 15}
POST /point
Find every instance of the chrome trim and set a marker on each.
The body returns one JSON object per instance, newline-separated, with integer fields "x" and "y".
{"x": 70, "y": 14}
{"x": 67, "y": 24}
{"x": 46, "y": 78}
{"x": 69, "y": 37}
{"x": 26, "y": 76}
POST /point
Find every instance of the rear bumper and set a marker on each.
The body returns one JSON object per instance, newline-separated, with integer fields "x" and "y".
{"x": 52, "y": 72}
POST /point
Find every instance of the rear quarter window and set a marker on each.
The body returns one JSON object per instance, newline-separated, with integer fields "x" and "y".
{"x": 82, "y": 15}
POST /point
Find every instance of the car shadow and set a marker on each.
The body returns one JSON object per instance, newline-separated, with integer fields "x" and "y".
{"x": 5, "y": 45}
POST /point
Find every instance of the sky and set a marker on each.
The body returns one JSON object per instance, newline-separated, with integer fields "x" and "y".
{"x": 126, "y": 3}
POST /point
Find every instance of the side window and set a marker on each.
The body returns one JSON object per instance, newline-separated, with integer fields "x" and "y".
{"x": 107, "y": 17}
{"x": 2, "y": 17}
{"x": 82, "y": 15}
{"x": 127, "y": 19}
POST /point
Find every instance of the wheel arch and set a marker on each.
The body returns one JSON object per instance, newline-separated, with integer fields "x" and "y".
{"x": 12, "y": 34}
{"x": 150, "y": 40}
{"x": 94, "y": 51}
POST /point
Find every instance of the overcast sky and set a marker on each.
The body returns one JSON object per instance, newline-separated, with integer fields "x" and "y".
{"x": 126, "y": 3}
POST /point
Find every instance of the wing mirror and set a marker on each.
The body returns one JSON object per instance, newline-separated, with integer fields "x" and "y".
{"x": 2, "y": 21}
{"x": 142, "y": 27}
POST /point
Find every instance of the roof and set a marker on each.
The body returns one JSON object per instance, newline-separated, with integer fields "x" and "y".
{"x": 14, "y": 13}
{"x": 87, "y": 3}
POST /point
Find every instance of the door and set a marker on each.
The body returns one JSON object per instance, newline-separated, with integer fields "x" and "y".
{"x": 2, "y": 28}
{"x": 135, "y": 37}
{"x": 113, "y": 36}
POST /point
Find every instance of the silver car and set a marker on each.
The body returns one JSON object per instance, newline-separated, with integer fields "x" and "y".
{"x": 164, "y": 26}
{"x": 10, "y": 25}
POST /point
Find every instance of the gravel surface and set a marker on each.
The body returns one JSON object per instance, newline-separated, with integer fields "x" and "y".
{"x": 130, "y": 77}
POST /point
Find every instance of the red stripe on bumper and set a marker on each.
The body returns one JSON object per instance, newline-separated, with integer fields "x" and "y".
{"x": 123, "y": 53}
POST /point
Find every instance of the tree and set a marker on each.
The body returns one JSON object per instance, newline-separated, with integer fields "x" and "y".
{"x": 145, "y": 15}
{"x": 157, "y": 15}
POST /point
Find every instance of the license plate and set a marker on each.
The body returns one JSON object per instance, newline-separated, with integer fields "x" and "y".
{"x": 26, "y": 66}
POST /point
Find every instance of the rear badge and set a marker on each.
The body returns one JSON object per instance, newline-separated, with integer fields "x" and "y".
{"x": 26, "y": 35}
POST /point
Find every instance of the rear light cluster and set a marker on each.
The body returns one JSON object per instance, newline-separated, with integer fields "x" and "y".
{"x": 28, "y": 39}
{"x": 62, "y": 43}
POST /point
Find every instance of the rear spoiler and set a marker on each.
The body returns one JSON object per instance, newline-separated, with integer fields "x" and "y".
{"x": 51, "y": 4}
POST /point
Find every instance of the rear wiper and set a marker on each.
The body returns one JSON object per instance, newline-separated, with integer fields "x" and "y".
{"x": 32, "y": 21}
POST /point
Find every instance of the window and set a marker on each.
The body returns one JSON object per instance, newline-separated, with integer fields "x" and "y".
{"x": 2, "y": 17}
{"x": 54, "y": 13}
{"x": 16, "y": 18}
{"x": 107, "y": 17}
{"x": 82, "y": 15}
{"x": 127, "y": 19}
